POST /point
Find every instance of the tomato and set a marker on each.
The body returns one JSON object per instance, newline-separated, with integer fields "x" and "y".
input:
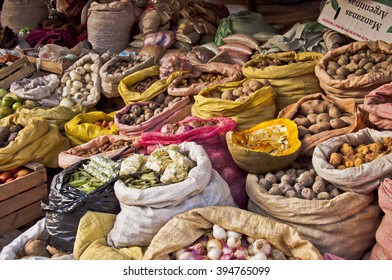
{"x": 5, "y": 175}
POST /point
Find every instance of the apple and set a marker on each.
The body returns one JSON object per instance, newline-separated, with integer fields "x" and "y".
{"x": 5, "y": 175}
{"x": 22, "y": 172}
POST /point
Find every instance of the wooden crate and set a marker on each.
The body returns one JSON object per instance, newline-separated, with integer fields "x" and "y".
{"x": 20, "y": 200}
{"x": 50, "y": 66}
{"x": 17, "y": 71}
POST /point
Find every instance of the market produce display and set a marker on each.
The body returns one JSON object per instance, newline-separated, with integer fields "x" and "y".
{"x": 182, "y": 130}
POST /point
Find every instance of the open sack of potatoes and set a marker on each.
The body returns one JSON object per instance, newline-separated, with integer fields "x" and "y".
{"x": 320, "y": 117}
{"x": 353, "y": 70}
{"x": 357, "y": 161}
{"x": 334, "y": 221}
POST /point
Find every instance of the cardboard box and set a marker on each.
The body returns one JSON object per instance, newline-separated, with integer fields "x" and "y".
{"x": 362, "y": 20}
{"x": 20, "y": 199}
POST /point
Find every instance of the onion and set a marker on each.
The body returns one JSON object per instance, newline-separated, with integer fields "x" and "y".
{"x": 74, "y": 76}
{"x": 214, "y": 243}
{"x": 214, "y": 254}
{"x": 65, "y": 79}
{"x": 87, "y": 78}
{"x": 69, "y": 83}
{"x": 90, "y": 98}
{"x": 234, "y": 242}
{"x": 77, "y": 84}
{"x": 258, "y": 256}
{"x": 89, "y": 86}
{"x": 73, "y": 91}
{"x": 233, "y": 234}
{"x": 80, "y": 70}
{"x": 219, "y": 232}
{"x": 261, "y": 246}
{"x": 67, "y": 102}
{"x": 87, "y": 67}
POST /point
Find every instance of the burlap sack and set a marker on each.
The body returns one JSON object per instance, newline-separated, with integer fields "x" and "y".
{"x": 14, "y": 14}
{"x": 291, "y": 82}
{"x": 232, "y": 72}
{"x": 37, "y": 141}
{"x": 346, "y": 105}
{"x": 95, "y": 60}
{"x": 110, "y": 82}
{"x": 259, "y": 107}
{"x": 175, "y": 112}
{"x": 90, "y": 242}
{"x": 144, "y": 212}
{"x": 184, "y": 229}
{"x": 363, "y": 179}
{"x": 356, "y": 87}
{"x": 383, "y": 248}
{"x": 344, "y": 226}
{"x": 378, "y": 103}
{"x": 106, "y": 34}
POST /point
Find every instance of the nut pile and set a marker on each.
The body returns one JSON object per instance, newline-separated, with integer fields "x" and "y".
{"x": 126, "y": 63}
{"x": 301, "y": 183}
{"x": 350, "y": 65}
{"x": 242, "y": 92}
{"x": 9, "y": 134}
{"x": 138, "y": 114}
{"x": 203, "y": 78}
{"x": 104, "y": 148}
{"x": 315, "y": 116}
{"x": 348, "y": 156}
{"x": 145, "y": 84}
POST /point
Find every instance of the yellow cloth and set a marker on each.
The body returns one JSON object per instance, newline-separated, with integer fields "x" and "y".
{"x": 90, "y": 243}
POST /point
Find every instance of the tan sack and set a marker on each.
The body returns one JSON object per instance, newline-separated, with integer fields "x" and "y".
{"x": 363, "y": 179}
{"x": 90, "y": 242}
{"x": 356, "y": 87}
{"x": 184, "y": 229}
{"x": 344, "y": 226}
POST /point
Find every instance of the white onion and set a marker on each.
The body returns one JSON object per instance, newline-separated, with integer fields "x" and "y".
{"x": 94, "y": 67}
{"x": 90, "y": 98}
{"x": 87, "y": 67}
{"x": 75, "y": 76}
{"x": 214, "y": 254}
{"x": 214, "y": 243}
{"x": 78, "y": 95}
{"x": 233, "y": 234}
{"x": 65, "y": 79}
{"x": 87, "y": 78}
{"x": 89, "y": 86}
{"x": 80, "y": 70}
{"x": 73, "y": 91}
{"x": 68, "y": 83}
{"x": 67, "y": 102}
{"x": 219, "y": 232}
{"x": 77, "y": 84}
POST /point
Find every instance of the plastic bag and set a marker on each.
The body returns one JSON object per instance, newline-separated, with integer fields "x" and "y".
{"x": 66, "y": 205}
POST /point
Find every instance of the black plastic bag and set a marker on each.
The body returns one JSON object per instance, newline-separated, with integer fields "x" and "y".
{"x": 66, "y": 205}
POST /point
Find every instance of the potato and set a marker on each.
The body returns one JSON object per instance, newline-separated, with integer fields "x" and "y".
{"x": 298, "y": 188}
{"x": 343, "y": 60}
{"x": 319, "y": 127}
{"x": 337, "y": 123}
{"x": 271, "y": 177}
{"x": 313, "y": 107}
{"x": 318, "y": 186}
{"x": 323, "y": 196}
{"x": 237, "y": 92}
{"x": 308, "y": 193}
{"x": 323, "y": 117}
{"x": 342, "y": 71}
{"x": 279, "y": 174}
{"x": 287, "y": 178}
{"x": 352, "y": 67}
{"x": 265, "y": 183}
{"x": 335, "y": 159}
{"x": 302, "y": 131}
{"x": 255, "y": 85}
{"x": 334, "y": 192}
{"x": 334, "y": 112}
{"x": 227, "y": 95}
{"x": 215, "y": 94}
{"x": 36, "y": 247}
{"x": 306, "y": 179}
{"x": 346, "y": 150}
{"x": 349, "y": 120}
{"x": 290, "y": 193}
{"x": 275, "y": 191}
{"x": 312, "y": 118}
{"x": 302, "y": 122}
{"x": 333, "y": 65}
